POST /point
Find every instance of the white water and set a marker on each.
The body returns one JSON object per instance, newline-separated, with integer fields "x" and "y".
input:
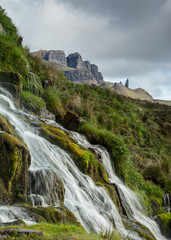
{"x": 11, "y": 214}
{"x": 90, "y": 204}
{"x": 129, "y": 199}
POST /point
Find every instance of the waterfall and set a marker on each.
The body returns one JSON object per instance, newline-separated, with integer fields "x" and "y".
{"x": 128, "y": 198}
{"x": 167, "y": 201}
{"x": 91, "y": 205}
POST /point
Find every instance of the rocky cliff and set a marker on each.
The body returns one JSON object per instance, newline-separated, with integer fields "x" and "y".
{"x": 82, "y": 71}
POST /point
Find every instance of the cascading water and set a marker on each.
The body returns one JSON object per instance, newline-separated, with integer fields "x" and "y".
{"x": 167, "y": 202}
{"x": 128, "y": 198}
{"x": 90, "y": 204}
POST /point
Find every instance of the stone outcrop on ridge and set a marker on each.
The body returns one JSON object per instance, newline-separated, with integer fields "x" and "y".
{"x": 82, "y": 71}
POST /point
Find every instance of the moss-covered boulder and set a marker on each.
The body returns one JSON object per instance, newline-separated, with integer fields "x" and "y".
{"x": 5, "y": 125}
{"x": 12, "y": 81}
{"x": 14, "y": 162}
{"x": 164, "y": 221}
{"x": 51, "y": 214}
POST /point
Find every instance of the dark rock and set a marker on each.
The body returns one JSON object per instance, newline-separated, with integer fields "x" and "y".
{"x": 72, "y": 121}
{"x": 81, "y": 76}
{"x": 127, "y": 83}
{"x": 45, "y": 83}
{"x": 11, "y": 231}
{"x": 11, "y": 81}
{"x": 74, "y": 60}
{"x": 97, "y": 75}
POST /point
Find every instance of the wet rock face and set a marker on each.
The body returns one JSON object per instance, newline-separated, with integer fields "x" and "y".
{"x": 11, "y": 81}
{"x": 47, "y": 185}
{"x": 74, "y": 60}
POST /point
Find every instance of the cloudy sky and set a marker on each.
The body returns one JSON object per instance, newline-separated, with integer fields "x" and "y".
{"x": 125, "y": 38}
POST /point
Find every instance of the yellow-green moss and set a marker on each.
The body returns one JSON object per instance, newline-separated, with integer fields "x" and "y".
{"x": 84, "y": 158}
{"x": 165, "y": 218}
{"x": 14, "y": 159}
{"x": 5, "y": 125}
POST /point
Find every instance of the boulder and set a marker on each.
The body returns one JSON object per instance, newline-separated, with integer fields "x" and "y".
{"x": 72, "y": 121}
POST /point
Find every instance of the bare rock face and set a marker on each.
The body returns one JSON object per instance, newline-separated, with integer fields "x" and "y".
{"x": 97, "y": 75}
{"x": 81, "y": 76}
{"x": 57, "y": 56}
{"x": 88, "y": 65}
{"x": 2, "y": 31}
{"x": 74, "y": 60}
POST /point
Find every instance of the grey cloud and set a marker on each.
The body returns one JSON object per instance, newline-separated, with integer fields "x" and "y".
{"x": 126, "y": 38}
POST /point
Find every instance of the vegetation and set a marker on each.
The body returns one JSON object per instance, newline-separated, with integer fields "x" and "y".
{"x": 64, "y": 232}
{"x": 136, "y": 133}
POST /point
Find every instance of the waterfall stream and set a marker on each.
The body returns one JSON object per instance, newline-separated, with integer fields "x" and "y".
{"x": 91, "y": 205}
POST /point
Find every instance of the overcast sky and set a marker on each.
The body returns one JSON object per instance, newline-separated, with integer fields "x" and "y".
{"x": 125, "y": 38}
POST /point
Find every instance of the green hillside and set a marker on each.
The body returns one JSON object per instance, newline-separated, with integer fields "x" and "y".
{"x": 136, "y": 133}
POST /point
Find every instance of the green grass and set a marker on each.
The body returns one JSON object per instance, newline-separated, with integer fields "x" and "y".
{"x": 64, "y": 232}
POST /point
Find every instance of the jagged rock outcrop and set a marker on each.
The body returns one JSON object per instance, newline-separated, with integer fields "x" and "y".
{"x": 77, "y": 70}
{"x": 57, "y": 56}
{"x": 88, "y": 65}
{"x": 97, "y": 75}
{"x": 74, "y": 60}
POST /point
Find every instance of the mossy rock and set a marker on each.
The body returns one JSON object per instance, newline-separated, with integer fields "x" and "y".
{"x": 14, "y": 161}
{"x": 84, "y": 158}
{"x": 45, "y": 214}
{"x": 72, "y": 121}
{"x": 5, "y": 125}
{"x": 12, "y": 81}
{"x": 164, "y": 220}
{"x": 32, "y": 102}
{"x": 142, "y": 231}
